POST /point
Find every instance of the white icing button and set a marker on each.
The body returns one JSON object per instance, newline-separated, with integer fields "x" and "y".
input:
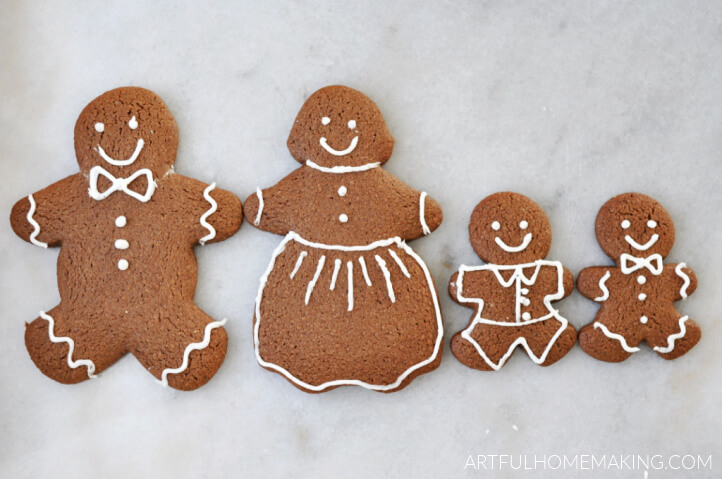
{"x": 121, "y": 244}
{"x": 643, "y": 320}
{"x": 122, "y": 265}
{"x": 626, "y": 224}
{"x": 343, "y": 218}
{"x": 99, "y": 127}
{"x": 524, "y": 224}
{"x": 642, "y": 296}
{"x": 342, "y": 191}
{"x": 641, "y": 279}
{"x": 120, "y": 221}
{"x": 526, "y": 316}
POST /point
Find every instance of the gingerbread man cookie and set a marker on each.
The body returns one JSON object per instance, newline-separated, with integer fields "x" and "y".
{"x": 512, "y": 294}
{"x": 126, "y": 225}
{"x": 345, "y": 301}
{"x": 637, "y": 295}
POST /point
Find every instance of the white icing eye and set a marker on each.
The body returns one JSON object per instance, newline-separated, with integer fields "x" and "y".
{"x": 325, "y": 120}
{"x": 133, "y": 123}
{"x": 523, "y": 225}
{"x": 626, "y": 224}
{"x": 495, "y": 226}
{"x": 652, "y": 224}
{"x": 352, "y": 124}
{"x": 99, "y": 127}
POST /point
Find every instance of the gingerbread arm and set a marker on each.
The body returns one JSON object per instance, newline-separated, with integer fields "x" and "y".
{"x": 268, "y": 209}
{"x": 453, "y": 289}
{"x": 684, "y": 279}
{"x": 591, "y": 282}
{"x": 39, "y": 218}
{"x": 211, "y": 214}
{"x": 567, "y": 282}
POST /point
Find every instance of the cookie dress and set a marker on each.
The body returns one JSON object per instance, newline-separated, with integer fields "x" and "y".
{"x": 332, "y": 311}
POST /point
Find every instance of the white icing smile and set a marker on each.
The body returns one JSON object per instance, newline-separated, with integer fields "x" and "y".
{"x": 514, "y": 249}
{"x": 641, "y": 247}
{"x": 133, "y": 157}
{"x": 335, "y": 152}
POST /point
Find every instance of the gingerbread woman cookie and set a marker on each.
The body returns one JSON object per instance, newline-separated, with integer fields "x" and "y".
{"x": 512, "y": 294}
{"x": 345, "y": 301}
{"x": 126, "y": 225}
{"x": 637, "y": 295}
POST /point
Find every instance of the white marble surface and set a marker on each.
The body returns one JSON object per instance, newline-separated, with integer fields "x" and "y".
{"x": 569, "y": 103}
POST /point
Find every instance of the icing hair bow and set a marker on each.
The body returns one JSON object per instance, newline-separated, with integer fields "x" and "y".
{"x": 630, "y": 263}
{"x": 120, "y": 184}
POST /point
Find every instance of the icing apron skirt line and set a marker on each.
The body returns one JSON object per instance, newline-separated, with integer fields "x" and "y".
{"x": 346, "y": 315}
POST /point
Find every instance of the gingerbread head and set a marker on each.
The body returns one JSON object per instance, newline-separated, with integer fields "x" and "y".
{"x": 340, "y": 126}
{"x": 509, "y": 228}
{"x": 634, "y": 224}
{"x": 126, "y": 130}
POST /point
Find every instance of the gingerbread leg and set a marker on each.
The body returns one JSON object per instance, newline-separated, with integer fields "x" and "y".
{"x": 69, "y": 348}
{"x": 676, "y": 340}
{"x": 597, "y": 341}
{"x": 467, "y": 354}
{"x": 182, "y": 346}
{"x": 547, "y": 332}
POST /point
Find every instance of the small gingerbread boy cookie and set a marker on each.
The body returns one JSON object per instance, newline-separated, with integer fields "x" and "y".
{"x": 345, "y": 301}
{"x": 512, "y": 294}
{"x": 126, "y": 225}
{"x": 638, "y": 294}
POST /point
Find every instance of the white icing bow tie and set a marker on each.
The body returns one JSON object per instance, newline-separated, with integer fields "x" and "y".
{"x": 630, "y": 263}
{"x": 120, "y": 184}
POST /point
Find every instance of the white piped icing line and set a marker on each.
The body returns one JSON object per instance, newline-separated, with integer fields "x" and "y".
{"x": 679, "y": 271}
{"x": 629, "y": 264}
{"x": 293, "y": 236}
{"x": 334, "y": 276}
{"x": 204, "y": 219}
{"x": 34, "y": 224}
{"x": 259, "y": 194}
{"x": 362, "y": 262}
{"x": 673, "y": 337}
{"x": 120, "y": 184}
{"x": 387, "y": 276}
{"x": 641, "y": 247}
{"x": 129, "y": 161}
{"x": 349, "y": 284}
{"x": 299, "y": 262}
{"x": 516, "y": 279}
{"x": 71, "y": 347}
{"x": 402, "y": 266}
{"x": 618, "y": 337}
{"x": 603, "y": 287}
{"x": 422, "y": 213}
{"x": 514, "y": 249}
{"x": 312, "y": 283}
{"x": 342, "y": 169}
{"x": 189, "y": 349}
{"x": 335, "y": 152}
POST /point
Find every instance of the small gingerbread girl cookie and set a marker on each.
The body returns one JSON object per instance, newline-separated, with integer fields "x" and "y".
{"x": 126, "y": 225}
{"x": 345, "y": 301}
{"x": 638, "y": 294}
{"x": 512, "y": 294}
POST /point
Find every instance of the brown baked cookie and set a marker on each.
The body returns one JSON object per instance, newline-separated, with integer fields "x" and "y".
{"x": 638, "y": 294}
{"x": 127, "y": 225}
{"x": 344, "y": 300}
{"x": 512, "y": 294}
